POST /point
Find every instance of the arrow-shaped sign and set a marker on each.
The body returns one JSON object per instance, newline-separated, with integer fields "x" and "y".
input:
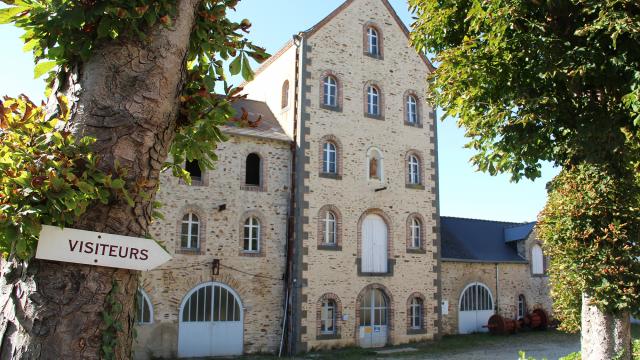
{"x": 100, "y": 249}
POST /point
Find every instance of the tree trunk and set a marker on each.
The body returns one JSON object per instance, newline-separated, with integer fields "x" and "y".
{"x": 127, "y": 97}
{"x": 604, "y": 336}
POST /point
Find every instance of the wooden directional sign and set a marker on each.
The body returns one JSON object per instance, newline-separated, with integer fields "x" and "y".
{"x": 94, "y": 248}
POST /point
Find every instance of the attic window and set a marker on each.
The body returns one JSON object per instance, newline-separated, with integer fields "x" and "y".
{"x": 193, "y": 168}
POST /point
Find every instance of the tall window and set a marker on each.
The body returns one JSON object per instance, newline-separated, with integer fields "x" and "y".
{"x": 328, "y": 317}
{"x": 144, "y": 314}
{"x": 373, "y": 101}
{"x": 252, "y": 235}
{"x": 193, "y": 168}
{"x": 522, "y": 306}
{"x": 330, "y": 91}
{"x": 285, "y": 94}
{"x": 415, "y": 313}
{"x": 412, "y": 110}
{"x": 414, "y": 170}
{"x": 330, "y": 228}
{"x": 190, "y": 235}
{"x": 537, "y": 260}
{"x": 252, "y": 176}
{"x": 329, "y": 156}
{"x": 374, "y": 41}
{"x": 416, "y": 241}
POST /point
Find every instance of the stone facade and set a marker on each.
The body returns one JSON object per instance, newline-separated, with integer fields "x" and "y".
{"x": 221, "y": 238}
{"x": 514, "y": 279}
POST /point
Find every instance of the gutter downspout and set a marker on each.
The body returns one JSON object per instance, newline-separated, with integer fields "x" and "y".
{"x": 497, "y": 290}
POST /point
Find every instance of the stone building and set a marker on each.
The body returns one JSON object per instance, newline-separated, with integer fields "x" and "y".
{"x": 319, "y": 226}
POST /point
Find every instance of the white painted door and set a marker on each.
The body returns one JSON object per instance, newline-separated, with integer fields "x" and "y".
{"x": 475, "y": 309}
{"x": 373, "y": 330}
{"x": 211, "y": 319}
{"x": 374, "y": 245}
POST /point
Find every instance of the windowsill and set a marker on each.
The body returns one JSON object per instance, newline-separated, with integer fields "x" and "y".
{"x": 415, "y": 125}
{"x": 390, "y": 266}
{"x": 329, "y": 247}
{"x": 415, "y": 186}
{"x": 375, "y": 117}
{"x": 374, "y": 56}
{"x": 256, "y": 188}
{"x": 416, "y": 251}
{"x": 188, "y": 251}
{"x": 328, "y": 337}
{"x": 330, "y": 108}
{"x": 330, "y": 176}
{"x": 194, "y": 182}
{"x": 539, "y": 275}
{"x": 416, "y": 331}
{"x": 251, "y": 253}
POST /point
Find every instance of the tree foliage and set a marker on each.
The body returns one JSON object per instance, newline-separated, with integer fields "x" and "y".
{"x": 50, "y": 177}
{"x": 559, "y": 81}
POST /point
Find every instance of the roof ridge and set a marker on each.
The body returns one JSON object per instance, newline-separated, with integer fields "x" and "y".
{"x": 513, "y": 223}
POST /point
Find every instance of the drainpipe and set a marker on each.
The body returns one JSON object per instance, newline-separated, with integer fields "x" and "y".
{"x": 497, "y": 290}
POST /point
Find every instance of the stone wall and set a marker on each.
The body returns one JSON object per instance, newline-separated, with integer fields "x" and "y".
{"x": 336, "y": 48}
{"x": 221, "y": 238}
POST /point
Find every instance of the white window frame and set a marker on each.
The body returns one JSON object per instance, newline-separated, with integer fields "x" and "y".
{"x": 330, "y": 227}
{"x": 416, "y": 308}
{"x": 329, "y": 149}
{"x": 330, "y": 97}
{"x": 143, "y": 299}
{"x": 251, "y": 223}
{"x": 412, "y": 110}
{"x": 328, "y": 306}
{"x": 373, "y": 41}
{"x": 192, "y": 219}
{"x": 414, "y": 170}
{"x": 416, "y": 239}
{"x": 522, "y": 306}
{"x": 537, "y": 260}
{"x": 373, "y": 101}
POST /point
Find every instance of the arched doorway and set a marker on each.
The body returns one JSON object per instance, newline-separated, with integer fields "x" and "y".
{"x": 211, "y": 322}
{"x": 475, "y": 308}
{"x": 374, "y": 318}
{"x": 374, "y": 244}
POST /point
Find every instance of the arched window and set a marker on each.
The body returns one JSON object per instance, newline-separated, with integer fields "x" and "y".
{"x": 373, "y": 41}
{"x": 190, "y": 232}
{"x": 144, "y": 314}
{"x": 285, "y": 94}
{"x": 412, "y": 110}
{"x": 416, "y": 236}
{"x": 328, "y": 317}
{"x": 329, "y": 156}
{"x": 537, "y": 260}
{"x": 253, "y": 170}
{"x": 252, "y": 235}
{"x": 522, "y": 306}
{"x": 414, "y": 170}
{"x": 416, "y": 309}
{"x": 193, "y": 168}
{"x": 330, "y": 91}
{"x": 330, "y": 228}
{"x": 373, "y": 101}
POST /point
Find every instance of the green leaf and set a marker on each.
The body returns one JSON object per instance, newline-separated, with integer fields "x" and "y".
{"x": 236, "y": 65}
{"x": 247, "y": 72}
{"x": 42, "y": 68}
{"x": 7, "y": 14}
{"x": 105, "y": 27}
{"x": 117, "y": 184}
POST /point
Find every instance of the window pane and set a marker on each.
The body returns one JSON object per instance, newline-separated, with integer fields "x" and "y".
{"x": 216, "y": 303}
{"x": 208, "y": 300}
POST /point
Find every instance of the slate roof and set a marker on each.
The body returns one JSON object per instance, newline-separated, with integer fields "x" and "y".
{"x": 481, "y": 240}
{"x": 260, "y": 121}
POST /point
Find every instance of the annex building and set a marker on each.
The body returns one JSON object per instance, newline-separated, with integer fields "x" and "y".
{"x": 320, "y": 226}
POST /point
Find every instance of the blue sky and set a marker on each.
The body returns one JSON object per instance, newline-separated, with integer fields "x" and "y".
{"x": 463, "y": 191}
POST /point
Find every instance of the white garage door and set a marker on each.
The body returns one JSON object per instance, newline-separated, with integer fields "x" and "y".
{"x": 211, "y": 319}
{"x": 475, "y": 309}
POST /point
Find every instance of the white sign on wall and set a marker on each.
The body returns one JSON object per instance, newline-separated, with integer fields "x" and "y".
{"x": 445, "y": 307}
{"x": 100, "y": 249}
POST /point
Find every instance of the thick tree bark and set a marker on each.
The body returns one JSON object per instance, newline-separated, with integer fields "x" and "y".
{"x": 127, "y": 97}
{"x": 604, "y": 336}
